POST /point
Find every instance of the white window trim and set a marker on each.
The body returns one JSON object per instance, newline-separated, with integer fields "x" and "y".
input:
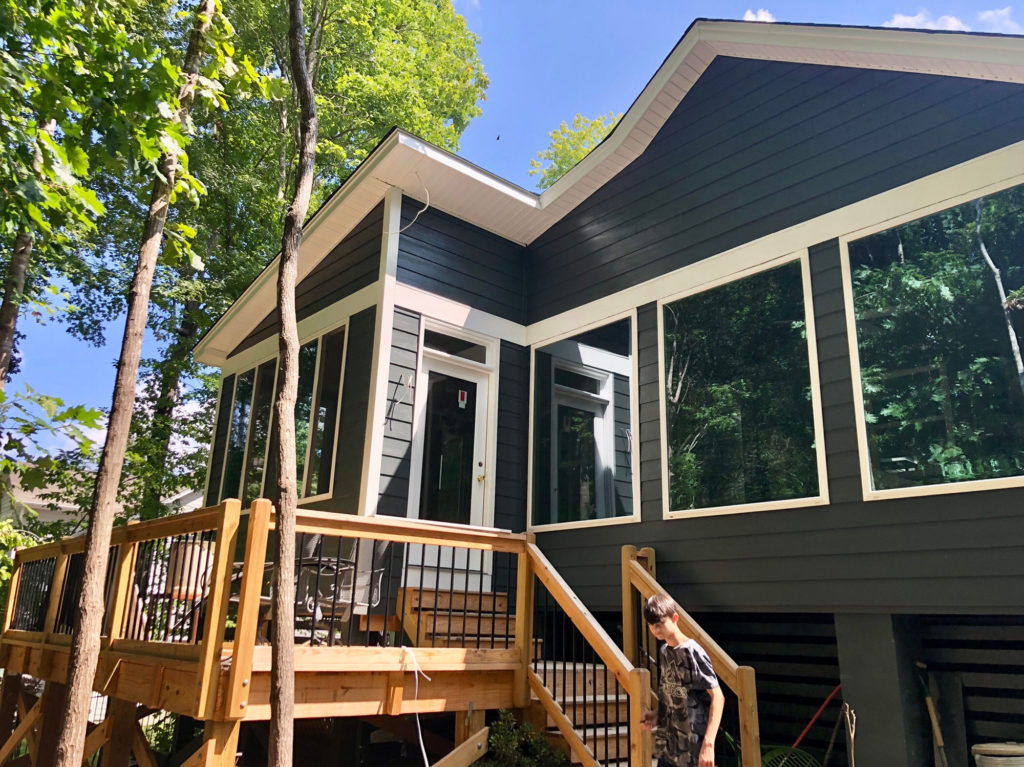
{"x": 489, "y": 370}
{"x": 869, "y": 493}
{"x": 812, "y": 358}
{"x": 634, "y": 415}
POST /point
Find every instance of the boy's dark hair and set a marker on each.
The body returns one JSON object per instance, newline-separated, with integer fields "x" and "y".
{"x": 659, "y": 607}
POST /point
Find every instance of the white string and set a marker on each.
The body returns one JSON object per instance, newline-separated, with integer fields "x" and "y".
{"x": 417, "y": 671}
{"x": 421, "y": 210}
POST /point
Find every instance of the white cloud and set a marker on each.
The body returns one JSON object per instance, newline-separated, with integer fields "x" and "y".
{"x": 762, "y": 14}
{"x": 923, "y": 19}
{"x": 999, "y": 20}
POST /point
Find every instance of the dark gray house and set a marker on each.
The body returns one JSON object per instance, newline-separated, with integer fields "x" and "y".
{"x": 770, "y": 327}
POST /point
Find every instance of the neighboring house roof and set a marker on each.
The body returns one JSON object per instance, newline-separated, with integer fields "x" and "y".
{"x": 472, "y": 194}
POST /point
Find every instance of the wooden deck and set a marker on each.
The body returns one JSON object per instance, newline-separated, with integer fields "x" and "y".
{"x": 392, "y": 617}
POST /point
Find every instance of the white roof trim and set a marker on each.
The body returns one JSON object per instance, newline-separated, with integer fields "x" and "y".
{"x": 472, "y": 194}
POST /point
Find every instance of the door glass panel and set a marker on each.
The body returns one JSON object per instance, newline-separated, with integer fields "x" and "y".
{"x": 448, "y": 449}
{"x": 577, "y": 465}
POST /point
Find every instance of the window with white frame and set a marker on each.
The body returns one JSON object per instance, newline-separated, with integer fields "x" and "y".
{"x": 583, "y": 462}
{"x": 739, "y": 420}
{"x": 247, "y": 471}
{"x": 939, "y": 313}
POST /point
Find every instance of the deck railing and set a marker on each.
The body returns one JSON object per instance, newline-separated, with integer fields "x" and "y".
{"x": 638, "y": 584}
{"x": 188, "y": 605}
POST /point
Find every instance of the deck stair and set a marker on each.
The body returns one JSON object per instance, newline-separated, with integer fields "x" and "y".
{"x": 596, "y": 705}
{"x": 456, "y": 618}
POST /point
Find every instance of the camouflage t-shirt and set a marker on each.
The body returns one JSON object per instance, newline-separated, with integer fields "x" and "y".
{"x": 683, "y": 703}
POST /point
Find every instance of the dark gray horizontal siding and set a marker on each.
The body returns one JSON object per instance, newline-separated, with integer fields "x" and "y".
{"x": 452, "y": 258}
{"x": 756, "y": 147}
{"x": 397, "y": 449}
{"x": 513, "y": 421}
{"x": 980, "y": 659}
{"x": 952, "y": 553}
{"x": 352, "y": 265}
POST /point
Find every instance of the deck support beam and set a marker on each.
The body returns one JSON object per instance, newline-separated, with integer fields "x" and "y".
{"x": 9, "y": 694}
{"x": 220, "y": 742}
{"x": 467, "y": 723}
{"x": 118, "y": 750}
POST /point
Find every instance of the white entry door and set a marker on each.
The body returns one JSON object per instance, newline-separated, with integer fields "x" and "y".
{"x": 449, "y": 477}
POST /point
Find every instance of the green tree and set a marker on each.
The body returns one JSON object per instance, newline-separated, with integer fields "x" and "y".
{"x": 377, "y": 65}
{"x": 569, "y": 145}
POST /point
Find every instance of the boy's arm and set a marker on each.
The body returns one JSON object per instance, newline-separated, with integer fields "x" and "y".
{"x": 707, "y": 749}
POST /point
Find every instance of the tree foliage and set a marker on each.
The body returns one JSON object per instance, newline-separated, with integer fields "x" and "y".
{"x": 569, "y": 145}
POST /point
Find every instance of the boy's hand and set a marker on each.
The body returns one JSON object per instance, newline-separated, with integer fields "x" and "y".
{"x": 707, "y": 754}
{"x": 649, "y": 719}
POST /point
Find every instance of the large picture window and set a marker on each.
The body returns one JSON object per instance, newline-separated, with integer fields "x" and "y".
{"x": 738, "y": 404}
{"x": 247, "y": 473}
{"x": 939, "y": 312}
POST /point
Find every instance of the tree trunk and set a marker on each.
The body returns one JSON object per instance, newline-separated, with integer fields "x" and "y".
{"x": 85, "y": 645}
{"x": 14, "y": 287}
{"x": 1014, "y": 346}
{"x": 282, "y": 675}
{"x": 174, "y": 362}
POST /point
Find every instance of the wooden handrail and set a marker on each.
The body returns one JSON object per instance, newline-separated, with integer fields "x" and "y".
{"x": 596, "y": 636}
{"x": 740, "y": 680}
{"x": 401, "y": 530}
{"x": 725, "y": 666}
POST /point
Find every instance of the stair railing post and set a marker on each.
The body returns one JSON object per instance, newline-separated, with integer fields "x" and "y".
{"x": 629, "y": 643}
{"x": 524, "y": 622}
{"x": 750, "y": 735}
{"x": 240, "y": 676}
{"x": 639, "y": 738}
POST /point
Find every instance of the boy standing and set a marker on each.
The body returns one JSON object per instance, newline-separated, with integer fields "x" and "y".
{"x": 690, "y": 700}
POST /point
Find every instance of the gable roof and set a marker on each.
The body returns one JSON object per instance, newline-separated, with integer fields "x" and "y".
{"x": 472, "y": 194}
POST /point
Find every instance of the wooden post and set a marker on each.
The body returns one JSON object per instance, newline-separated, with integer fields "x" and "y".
{"x": 629, "y": 647}
{"x": 750, "y": 734}
{"x": 240, "y": 676}
{"x": 52, "y": 707}
{"x": 12, "y": 687}
{"x": 12, "y": 591}
{"x": 645, "y": 557}
{"x": 124, "y": 577}
{"x": 524, "y": 623}
{"x": 640, "y": 739}
{"x": 119, "y": 748}
{"x": 467, "y": 723}
{"x": 53, "y": 601}
{"x": 220, "y": 742}
{"x": 208, "y": 672}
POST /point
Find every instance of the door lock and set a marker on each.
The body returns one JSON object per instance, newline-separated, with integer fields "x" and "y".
{"x": 479, "y": 477}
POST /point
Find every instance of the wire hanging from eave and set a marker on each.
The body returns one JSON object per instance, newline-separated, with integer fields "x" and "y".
{"x": 420, "y": 211}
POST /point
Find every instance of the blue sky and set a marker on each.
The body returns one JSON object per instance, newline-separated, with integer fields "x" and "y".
{"x": 547, "y": 61}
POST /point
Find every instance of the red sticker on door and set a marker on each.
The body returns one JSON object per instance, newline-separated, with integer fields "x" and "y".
{"x": 462, "y": 399}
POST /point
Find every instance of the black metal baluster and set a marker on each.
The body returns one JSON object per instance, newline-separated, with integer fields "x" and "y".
{"x": 316, "y": 590}
{"x": 389, "y": 571}
{"x": 564, "y": 653}
{"x": 465, "y": 597}
{"x": 420, "y": 592}
{"x": 371, "y": 546}
{"x": 451, "y": 601}
{"x": 480, "y": 598}
{"x": 405, "y": 589}
{"x": 437, "y": 596}
{"x": 334, "y": 593}
{"x": 194, "y": 571}
{"x": 352, "y": 595}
